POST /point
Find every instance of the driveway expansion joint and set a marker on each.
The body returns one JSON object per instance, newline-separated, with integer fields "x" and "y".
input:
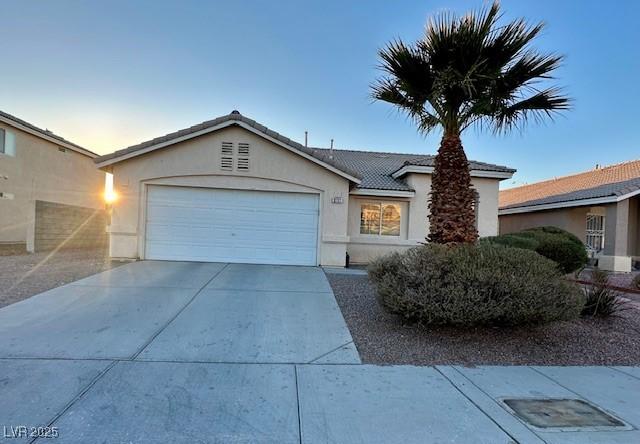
{"x": 161, "y": 329}
{"x": 261, "y": 290}
{"x": 78, "y": 396}
{"x": 477, "y": 406}
{"x": 295, "y": 372}
{"x": 623, "y": 372}
{"x": 329, "y": 352}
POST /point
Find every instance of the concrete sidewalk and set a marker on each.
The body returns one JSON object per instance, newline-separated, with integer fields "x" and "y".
{"x": 151, "y": 402}
{"x": 156, "y": 352}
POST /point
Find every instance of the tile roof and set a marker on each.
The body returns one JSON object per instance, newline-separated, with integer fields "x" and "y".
{"x": 233, "y": 116}
{"x": 375, "y": 169}
{"x": 613, "y": 180}
{"x": 473, "y": 164}
{"x": 43, "y": 132}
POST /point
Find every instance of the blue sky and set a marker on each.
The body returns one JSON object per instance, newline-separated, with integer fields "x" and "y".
{"x": 110, "y": 74}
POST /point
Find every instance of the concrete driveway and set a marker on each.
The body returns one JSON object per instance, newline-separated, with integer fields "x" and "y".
{"x": 197, "y": 353}
{"x": 196, "y": 312}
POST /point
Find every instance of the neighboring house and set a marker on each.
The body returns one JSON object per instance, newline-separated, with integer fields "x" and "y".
{"x": 601, "y": 207}
{"x": 50, "y": 190}
{"x": 232, "y": 190}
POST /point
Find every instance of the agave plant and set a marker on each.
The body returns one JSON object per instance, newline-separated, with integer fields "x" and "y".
{"x": 467, "y": 71}
{"x": 601, "y": 299}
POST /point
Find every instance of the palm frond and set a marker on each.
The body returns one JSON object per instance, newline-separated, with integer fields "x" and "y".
{"x": 470, "y": 69}
{"x": 509, "y": 42}
{"x": 543, "y": 104}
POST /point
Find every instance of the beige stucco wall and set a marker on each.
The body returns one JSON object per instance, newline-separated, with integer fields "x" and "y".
{"x": 414, "y": 218}
{"x": 572, "y": 219}
{"x": 39, "y": 171}
{"x": 622, "y": 235}
{"x": 634, "y": 228}
{"x": 622, "y": 228}
{"x": 196, "y": 162}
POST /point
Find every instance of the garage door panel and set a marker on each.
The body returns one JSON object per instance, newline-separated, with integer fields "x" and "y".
{"x": 263, "y": 239}
{"x": 231, "y": 226}
{"x": 208, "y": 236}
{"x": 227, "y": 216}
{"x": 251, "y": 255}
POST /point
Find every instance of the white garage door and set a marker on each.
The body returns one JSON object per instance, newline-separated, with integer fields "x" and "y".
{"x": 215, "y": 225}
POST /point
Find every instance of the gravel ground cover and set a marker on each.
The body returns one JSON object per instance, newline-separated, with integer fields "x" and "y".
{"x": 381, "y": 338}
{"x": 619, "y": 280}
{"x": 25, "y": 275}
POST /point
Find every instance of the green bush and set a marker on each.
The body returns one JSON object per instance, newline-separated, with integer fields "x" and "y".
{"x": 601, "y": 300}
{"x": 513, "y": 240}
{"x": 559, "y": 231}
{"x": 467, "y": 285}
{"x": 568, "y": 255}
{"x": 554, "y": 243}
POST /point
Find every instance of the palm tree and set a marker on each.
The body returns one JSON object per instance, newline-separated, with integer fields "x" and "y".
{"x": 465, "y": 71}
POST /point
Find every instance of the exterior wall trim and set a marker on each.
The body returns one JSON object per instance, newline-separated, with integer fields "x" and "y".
{"x": 381, "y": 193}
{"x": 41, "y": 135}
{"x": 573, "y": 203}
{"x": 217, "y": 128}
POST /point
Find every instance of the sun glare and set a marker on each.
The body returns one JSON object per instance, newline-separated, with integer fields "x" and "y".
{"x": 110, "y": 195}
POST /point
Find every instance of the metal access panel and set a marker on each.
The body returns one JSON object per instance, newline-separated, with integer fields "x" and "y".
{"x": 574, "y": 414}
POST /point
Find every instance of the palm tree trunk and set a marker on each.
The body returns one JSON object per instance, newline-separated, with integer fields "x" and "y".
{"x": 452, "y": 215}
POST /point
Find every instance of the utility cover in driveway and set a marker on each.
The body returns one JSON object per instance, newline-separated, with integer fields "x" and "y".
{"x": 216, "y": 225}
{"x": 561, "y": 413}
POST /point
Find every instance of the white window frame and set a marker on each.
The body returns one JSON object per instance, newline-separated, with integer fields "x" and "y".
{"x": 476, "y": 208}
{"x": 594, "y": 230}
{"x": 381, "y": 203}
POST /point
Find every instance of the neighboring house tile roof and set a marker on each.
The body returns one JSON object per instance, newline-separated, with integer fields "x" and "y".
{"x": 374, "y": 169}
{"x": 45, "y": 133}
{"x": 613, "y": 180}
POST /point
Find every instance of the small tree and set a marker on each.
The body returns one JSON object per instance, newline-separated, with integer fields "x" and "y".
{"x": 466, "y": 71}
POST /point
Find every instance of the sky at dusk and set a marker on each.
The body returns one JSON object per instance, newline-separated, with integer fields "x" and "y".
{"x": 110, "y": 74}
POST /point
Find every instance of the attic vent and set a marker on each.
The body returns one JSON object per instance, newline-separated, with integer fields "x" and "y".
{"x": 243, "y": 149}
{"x": 243, "y": 156}
{"x": 227, "y": 148}
{"x": 226, "y": 156}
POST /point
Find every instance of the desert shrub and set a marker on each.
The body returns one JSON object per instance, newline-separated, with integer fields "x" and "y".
{"x": 601, "y": 300}
{"x": 513, "y": 240}
{"x": 559, "y": 231}
{"x": 567, "y": 254}
{"x": 467, "y": 285}
{"x": 554, "y": 243}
